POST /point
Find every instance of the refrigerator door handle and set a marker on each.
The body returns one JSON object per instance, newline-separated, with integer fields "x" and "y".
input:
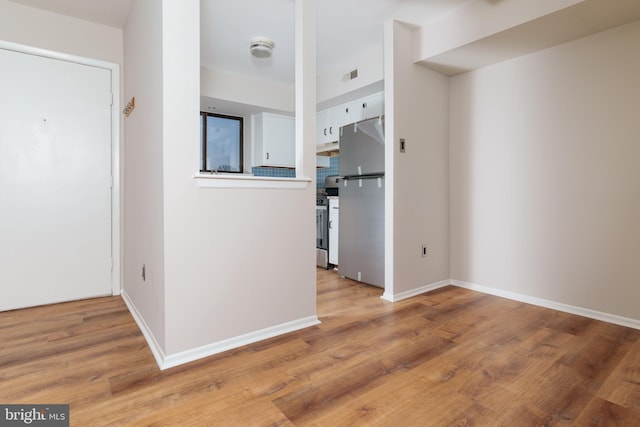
{"x": 363, "y": 176}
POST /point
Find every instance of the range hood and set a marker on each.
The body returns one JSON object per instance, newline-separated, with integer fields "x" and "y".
{"x": 330, "y": 149}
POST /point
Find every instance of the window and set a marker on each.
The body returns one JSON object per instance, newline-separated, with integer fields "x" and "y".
{"x": 220, "y": 143}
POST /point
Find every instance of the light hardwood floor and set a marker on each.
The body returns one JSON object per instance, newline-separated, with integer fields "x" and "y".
{"x": 452, "y": 357}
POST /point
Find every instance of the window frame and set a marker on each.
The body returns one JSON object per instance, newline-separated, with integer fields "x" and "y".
{"x": 203, "y": 142}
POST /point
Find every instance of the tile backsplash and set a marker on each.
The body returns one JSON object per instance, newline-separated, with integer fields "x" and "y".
{"x": 274, "y": 172}
{"x": 321, "y": 173}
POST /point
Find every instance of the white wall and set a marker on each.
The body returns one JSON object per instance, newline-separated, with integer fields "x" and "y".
{"x": 226, "y": 262}
{"x": 545, "y": 183}
{"x": 237, "y": 261}
{"x": 143, "y": 164}
{"x": 245, "y": 89}
{"x": 60, "y": 33}
{"x": 330, "y": 84}
{"x": 417, "y": 203}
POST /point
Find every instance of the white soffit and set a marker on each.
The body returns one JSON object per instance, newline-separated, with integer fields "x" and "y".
{"x": 571, "y": 23}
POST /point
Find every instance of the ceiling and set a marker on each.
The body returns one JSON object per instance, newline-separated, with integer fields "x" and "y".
{"x": 345, "y": 28}
{"x": 108, "y": 12}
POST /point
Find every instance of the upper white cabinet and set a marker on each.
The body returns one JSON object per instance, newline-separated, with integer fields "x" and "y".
{"x": 330, "y": 121}
{"x": 326, "y": 129}
{"x": 373, "y": 106}
{"x": 274, "y": 140}
{"x": 347, "y": 113}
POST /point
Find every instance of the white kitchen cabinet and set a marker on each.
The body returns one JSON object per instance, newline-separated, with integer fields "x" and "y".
{"x": 373, "y": 106}
{"x": 274, "y": 140}
{"x": 334, "y": 224}
{"x": 331, "y": 120}
{"x": 326, "y": 130}
{"x": 346, "y": 113}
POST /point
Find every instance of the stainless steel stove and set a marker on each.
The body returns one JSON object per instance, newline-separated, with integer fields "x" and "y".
{"x": 322, "y": 230}
{"x": 322, "y": 219}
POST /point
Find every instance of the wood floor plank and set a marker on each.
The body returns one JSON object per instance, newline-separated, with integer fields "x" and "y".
{"x": 422, "y": 386}
{"x": 602, "y": 413}
{"x": 446, "y": 358}
{"x": 225, "y": 383}
{"x": 622, "y": 387}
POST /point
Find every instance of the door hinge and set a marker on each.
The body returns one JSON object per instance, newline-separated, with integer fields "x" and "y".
{"x": 111, "y": 99}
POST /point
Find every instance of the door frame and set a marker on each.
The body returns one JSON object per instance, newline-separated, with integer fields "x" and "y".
{"x": 116, "y": 225}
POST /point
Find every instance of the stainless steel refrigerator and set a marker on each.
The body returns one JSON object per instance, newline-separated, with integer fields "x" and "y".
{"x": 361, "y": 233}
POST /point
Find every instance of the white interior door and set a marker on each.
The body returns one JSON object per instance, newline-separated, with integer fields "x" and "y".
{"x": 55, "y": 180}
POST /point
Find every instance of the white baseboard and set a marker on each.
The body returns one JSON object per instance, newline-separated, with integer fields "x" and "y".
{"x": 580, "y": 311}
{"x": 172, "y": 360}
{"x": 231, "y": 343}
{"x": 156, "y": 350}
{"x": 413, "y": 292}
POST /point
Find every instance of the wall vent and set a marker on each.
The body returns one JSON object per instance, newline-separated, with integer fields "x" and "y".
{"x": 350, "y": 75}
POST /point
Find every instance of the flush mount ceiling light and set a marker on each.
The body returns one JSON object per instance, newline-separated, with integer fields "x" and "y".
{"x": 261, "y": 47}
